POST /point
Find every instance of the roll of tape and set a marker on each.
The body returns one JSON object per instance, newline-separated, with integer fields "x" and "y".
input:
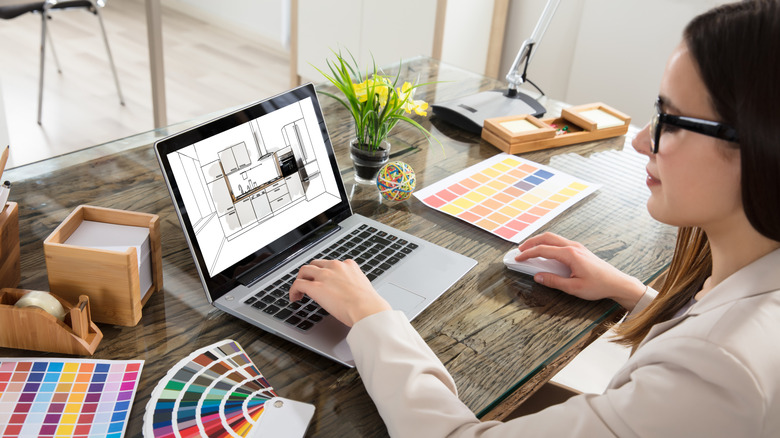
{"x": 42, "y": 300}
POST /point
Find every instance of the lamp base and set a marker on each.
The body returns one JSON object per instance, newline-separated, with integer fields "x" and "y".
{"x": 469, "y": 112}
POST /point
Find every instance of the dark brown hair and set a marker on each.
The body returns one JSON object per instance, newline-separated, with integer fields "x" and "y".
{"x": 734, "y": 47}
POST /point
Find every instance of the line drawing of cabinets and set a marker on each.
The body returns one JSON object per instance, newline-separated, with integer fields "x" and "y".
{"x": 296, "y": 136}
{"x": 248, "y": 177}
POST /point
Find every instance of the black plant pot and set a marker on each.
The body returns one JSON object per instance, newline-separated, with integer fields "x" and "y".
{"x": 367, "y": 162}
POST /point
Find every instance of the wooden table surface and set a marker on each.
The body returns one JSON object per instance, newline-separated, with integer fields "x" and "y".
{"x": 494, "y": 330}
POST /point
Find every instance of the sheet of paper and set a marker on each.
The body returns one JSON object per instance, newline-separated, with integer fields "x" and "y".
{"x": 111, "y": 237}
{"x": 522, "y": 125}
{"x": 506, "y": 195}
{"x": 602, "y": 118}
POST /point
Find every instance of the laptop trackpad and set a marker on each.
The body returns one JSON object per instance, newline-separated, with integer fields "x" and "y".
{"x": 400, "y": 298}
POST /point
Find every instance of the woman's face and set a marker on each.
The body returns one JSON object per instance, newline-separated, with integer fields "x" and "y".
{"x": 694, "y": 179}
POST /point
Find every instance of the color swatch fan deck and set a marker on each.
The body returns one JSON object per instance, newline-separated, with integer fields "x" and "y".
{"x": 66, "y": 397}
{"x": 217, "y": 392}
{"x": 506, "y": 195}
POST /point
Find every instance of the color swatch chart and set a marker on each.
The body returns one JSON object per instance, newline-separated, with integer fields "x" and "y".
{"x": 66, "y": 397}
{"x": 506, "y": 195}
{"x": 216, "y": 391}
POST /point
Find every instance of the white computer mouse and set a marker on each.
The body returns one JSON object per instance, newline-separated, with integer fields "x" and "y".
{"x": 536, "y": 264}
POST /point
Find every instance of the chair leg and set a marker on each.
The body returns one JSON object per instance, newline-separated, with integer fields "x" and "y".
{"x": 53, "y": 52}
{"x": 108, "y": 51}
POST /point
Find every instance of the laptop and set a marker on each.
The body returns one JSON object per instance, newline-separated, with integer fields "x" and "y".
{"x": 259, "y": 194}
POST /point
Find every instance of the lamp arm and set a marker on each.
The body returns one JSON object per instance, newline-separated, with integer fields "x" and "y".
{"x": 514, "y": 77}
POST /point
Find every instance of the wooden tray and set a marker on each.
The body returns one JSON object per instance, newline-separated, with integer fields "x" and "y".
{"x": 525, "y": 133}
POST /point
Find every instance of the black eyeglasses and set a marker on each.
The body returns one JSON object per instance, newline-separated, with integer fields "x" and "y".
{"x": 700, "y": 126}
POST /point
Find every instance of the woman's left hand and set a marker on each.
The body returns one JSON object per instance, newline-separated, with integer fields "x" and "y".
{"x": 591, "y": 277}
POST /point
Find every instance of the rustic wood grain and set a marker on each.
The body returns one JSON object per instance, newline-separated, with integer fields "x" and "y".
{"x": 494, "y": 330}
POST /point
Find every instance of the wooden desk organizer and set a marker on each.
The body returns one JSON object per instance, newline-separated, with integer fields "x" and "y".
{"x": 525, "y": 133}
{"x": 31, "y": 328}
{"x": 109, "y": 278}
{"x": 10, "y": 267}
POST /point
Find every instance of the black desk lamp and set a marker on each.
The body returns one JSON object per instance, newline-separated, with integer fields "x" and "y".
{"x": 470, "y": 112}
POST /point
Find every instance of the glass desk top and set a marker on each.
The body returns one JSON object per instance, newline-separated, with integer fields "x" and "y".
{"x": 493, "y": 330}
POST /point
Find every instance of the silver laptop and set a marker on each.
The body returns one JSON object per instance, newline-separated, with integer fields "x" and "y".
{"x": 258, "y": 194}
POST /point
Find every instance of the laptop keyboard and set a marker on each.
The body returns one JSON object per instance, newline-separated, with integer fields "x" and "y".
{"x": 373, "y": 250}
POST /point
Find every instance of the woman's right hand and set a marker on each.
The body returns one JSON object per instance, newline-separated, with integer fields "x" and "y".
{"x": 341, "y": 288}
{"x": 591, "y": 277}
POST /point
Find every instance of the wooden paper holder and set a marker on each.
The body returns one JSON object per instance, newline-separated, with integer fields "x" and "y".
{"x": 110, "y": 278}
{"x": 525, "y": 133}
{"x": 10, "y": 265}
{"x": 32, "y": 328}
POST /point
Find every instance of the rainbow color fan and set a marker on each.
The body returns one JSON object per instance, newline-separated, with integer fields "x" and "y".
{"x": 216, "y": 392}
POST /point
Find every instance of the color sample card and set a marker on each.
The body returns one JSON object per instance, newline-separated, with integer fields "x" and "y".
{"x": 216, "y": 391}
{"x": 66, "y": 397}
{"x": 506, "y": 195}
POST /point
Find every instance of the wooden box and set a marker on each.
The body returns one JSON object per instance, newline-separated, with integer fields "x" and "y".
{"x": 32, "y": 328}
{"x": 109, "y": 277}
{"x": 525, "y": 133}
{"x": 10, "y": 267}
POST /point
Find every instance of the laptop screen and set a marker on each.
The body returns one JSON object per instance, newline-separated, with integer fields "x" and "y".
{"x": 254, "y": 187}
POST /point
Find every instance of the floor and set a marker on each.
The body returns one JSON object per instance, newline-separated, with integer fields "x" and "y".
{"x": 207, "y": 69}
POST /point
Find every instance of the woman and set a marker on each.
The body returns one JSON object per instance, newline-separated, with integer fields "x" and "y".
{"x": 706, "y": 356}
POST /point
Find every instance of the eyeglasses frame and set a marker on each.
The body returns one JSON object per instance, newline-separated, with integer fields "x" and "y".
{"x": 699, "y": 126}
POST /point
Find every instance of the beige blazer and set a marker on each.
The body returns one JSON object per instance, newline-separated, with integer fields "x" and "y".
{"x": 714, "y": 371}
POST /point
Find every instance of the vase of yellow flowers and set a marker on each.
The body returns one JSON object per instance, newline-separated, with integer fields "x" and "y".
{"x": 376, "y": 104}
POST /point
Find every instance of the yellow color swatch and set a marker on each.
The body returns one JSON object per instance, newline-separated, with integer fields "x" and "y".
{"x": 578, "y": 186}
{"x": 70, "y": 367}
{"x": 65, "y": 429}
{"x": 491, "y": 172}
{"x": 72, "y": 408}
{"x": 511, "y": 162}
{"x": 474, "y": 196}
{"x": 510, "y": 211}
{"x": 67, "y": 377}
{"x": 498, "y": 185}
{"x": 568, "y": 192}
{"x": 487, "y": 191}
{"x": 520, "y": 205}
{"x": 464, "y": 203}
{"x": 69, "y": 418}
{"x": 501, "y": 167}
{"x": 559, "y": 198}
{"x": 451, "y": 209}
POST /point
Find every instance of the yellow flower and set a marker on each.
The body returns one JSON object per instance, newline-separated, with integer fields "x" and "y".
{"x": 361, "y": 90}
{"x": 382, "y": 89}
{"x": 406, "y": 92}
{"x": 377, "y": 84}
{"x": 420, "y": 107}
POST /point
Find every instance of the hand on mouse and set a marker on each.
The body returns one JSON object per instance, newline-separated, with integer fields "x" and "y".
{"x": 591, "y": 278}
{"x": 341, "y": 288}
